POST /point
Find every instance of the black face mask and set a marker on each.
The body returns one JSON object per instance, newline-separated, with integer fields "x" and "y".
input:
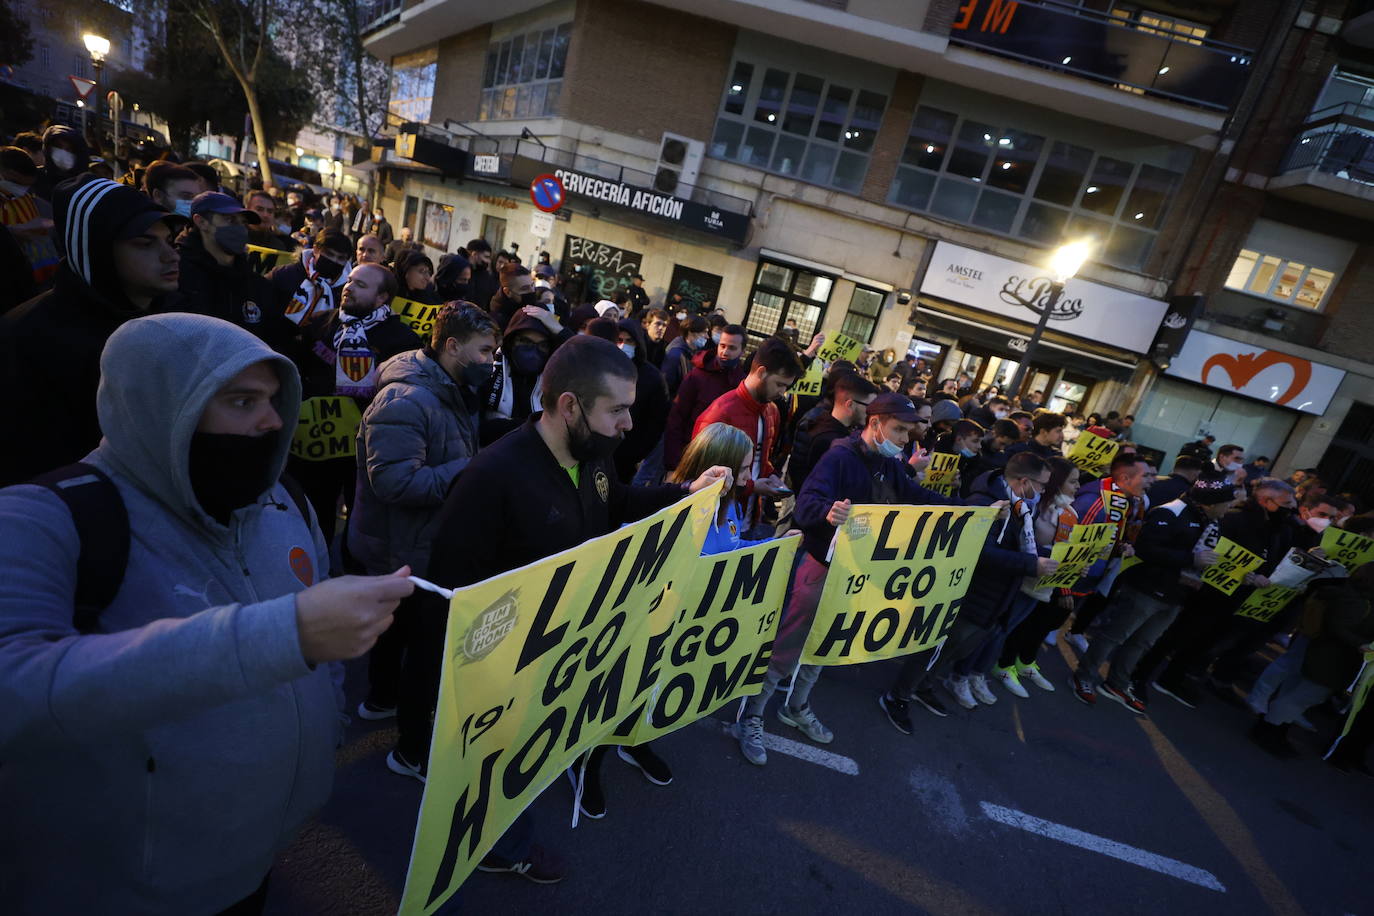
{"x": 529, "y": 299}
{"x": 586, "y": 443}
{"x": 230, "y": 471}
{"x": 458, "y": 291}
{"x": 328, "y": 268}
{"x": 526, "y": 359}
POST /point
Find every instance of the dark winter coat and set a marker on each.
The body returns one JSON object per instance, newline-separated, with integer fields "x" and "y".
{"x": 650, "y": 411}
{"x": 1343, "y": 622}
{"x": 232, "y": 293}
{"x": 699, "y": 390}
{"x": 1165, "y": 546}
{"x": 1001, "y": 564}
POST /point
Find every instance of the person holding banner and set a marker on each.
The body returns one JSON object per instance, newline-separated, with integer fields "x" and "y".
{"x": 1117, "y": 498}
{"x": 1148, "y": 595}
{"x": 863, "y": 469}
{"x": 547, "y": 486}
{"x": 415, "y": 279}
{"x": 721, "y": 445}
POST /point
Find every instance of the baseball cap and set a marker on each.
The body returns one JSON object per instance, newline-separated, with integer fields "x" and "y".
{"x": 945, "y": 409}
{"x": 891, "y": 404}
{"x": 217, "y": 202}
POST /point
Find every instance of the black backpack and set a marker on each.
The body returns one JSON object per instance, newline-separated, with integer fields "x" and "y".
{"x": 102, "y": 526}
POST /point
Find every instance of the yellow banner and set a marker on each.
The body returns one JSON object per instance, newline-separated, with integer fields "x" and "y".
{"x": 418, "y": 316}
{"x": 839, "y": 346}
{"x": 328, "y": 428}
{"x": 944, "y": 467}
{"x": 1350, "y": 550}
{"x": 1359, "y": 693}
{"x": 1085, "y": 546}
{"x": 1263, "y": 603}
{"x": 809, "y": 385}
{"x": 897, "y": 577}
{"x": 264, "y": 260}
{"x": 1091, "y": 453}
{"x": 719, "y": 650}
{"x": 540, "y": 664}
{"x": 1235, "y": 561}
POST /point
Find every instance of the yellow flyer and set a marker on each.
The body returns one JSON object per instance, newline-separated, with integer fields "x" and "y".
{"x": 1350, "y": 550}
{"x": 1092, "y": 453}
{"x": 897, "y": 577}
{"x": 839, "y": 346}
{"x": 327, "y": 428}
{"x": 1234, "y": 562}
{"x": 540, "y": 664}
{"x": 940, "y": 475}
{"x": 1085, "y": 546}
{"x": 417, "y": 315}
{"x": 1263, "y": 603}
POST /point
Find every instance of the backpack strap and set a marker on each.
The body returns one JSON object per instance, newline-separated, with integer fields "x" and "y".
{"x": 102, "y": 526}
{"x": 297, "y": 493}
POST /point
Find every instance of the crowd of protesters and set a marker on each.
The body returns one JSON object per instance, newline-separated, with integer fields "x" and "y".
{"x": 179, "y": 588}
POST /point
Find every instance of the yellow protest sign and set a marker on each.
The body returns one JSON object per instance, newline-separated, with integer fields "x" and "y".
{"x": 1233, "y": 562}
{"x": 1346, "y": 548}
{"x": 839, "y": 346}
{"x": 897, "y": 577}
{"x": 1092, "y": 453}
{"x": 327, "y": 428}
{"x": 263, "y": 259}
{"x": 717, "y": 645}
{"x": 418, "y": 316}
{"x": 1085, "y": 546}
{"x": 1263, "y": 603}
{"x": 1359, "y": 693}
{"x": 540, "y": 664}
{"x": 944, "y": 467}
{"x": 809, "y": 385}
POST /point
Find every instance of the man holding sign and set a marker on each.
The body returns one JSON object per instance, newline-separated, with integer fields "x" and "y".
{"x": 1149, "y": 594}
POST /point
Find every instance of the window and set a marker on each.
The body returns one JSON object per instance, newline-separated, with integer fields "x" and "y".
{"x": 782, "y": 291}
{"x": 494, "y": 231}
{"x": 523, "y": 76}
{"x": 45, "y": 57}
{"x": 1017, "y": 183}
{"x": 1278, "y": 278}
{"x": 412, "y": 85}
{"x": 862, "y": 318}
{"x": 81, "y": 65}
{"x": 798, "y": 124}
{"x": 1159, "y": 24}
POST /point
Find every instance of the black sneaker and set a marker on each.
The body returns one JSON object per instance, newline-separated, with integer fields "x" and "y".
{"x": 1273, "y": 738}
{"x": 373, "y": 712}
{"x": 927, "y": 698}
{"x": 897, "y": 712}
{"x": 540, "y": 866}
{"x": 1082, "y": 692}
{"x": 398, "y": 764}
{"x": 593, "y": 801}
{"x": 1179, "y": 693}
{"x": 647, "y": 762}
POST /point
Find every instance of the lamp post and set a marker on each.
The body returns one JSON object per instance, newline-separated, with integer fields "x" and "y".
{"x": 99, "y": 47}
{"x": 1064, "y": 264}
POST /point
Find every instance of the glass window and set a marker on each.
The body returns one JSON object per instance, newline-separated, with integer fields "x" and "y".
{"x": 774, "y": 275}
{"x": 996, "y": 211}
{"x": 954, "y": 199}
{"x": 1288, "y": 279}
{"x": 738, "y": 88}
{"x": 1242, "y": 269}
{"x": 970, "y": 155}
{"x": 929, "y": 138}
{"x": 802, "y": 104}
{"x": 862, "y": 318}
{"x": 833, "y": 113}
{"x": 1278, "y": 278}
{"x": 1063, "y": 174}
{"x": 758, "y": 147}
{"x": 813, "y": 286}
{"x": 770, "y": 96}
{"x": 781, "y": 292}
{"x": 1150, "y": 196}
{"x": 867, "y": 118}
{"x": 912, "y": 188}
{"x": 787, "y": 158}
{"x": 412, "y": 85}
{"x": 1314, "y": 287}
{"x": 524, "y": 74}
{"x": 1014, "y": 160}
{"x": 1107, "y": 185}
{"x": 725, "y": 144}
{"x": 1264, "y": 277}
{"x": 820, "y": 163}
{"x": 849, "y": 174}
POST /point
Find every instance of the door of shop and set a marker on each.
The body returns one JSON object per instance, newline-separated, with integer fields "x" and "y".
{"x": 782, "y": 291}
{"x": 1348, "y": 465}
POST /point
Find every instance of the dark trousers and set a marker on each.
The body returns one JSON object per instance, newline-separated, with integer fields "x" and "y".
{"x": 417, "y": 665}
{"x": 964, "y": 638}
{"x": 324, "y": 483}
{"x": 1355, "y": 745}
{"x": 1203, "y": 621}
{"x": 387, "y": 658}
{"x": 253, "y": 904}
{"x": 1024, "y": 642}
{"x": 1087, "y": 611}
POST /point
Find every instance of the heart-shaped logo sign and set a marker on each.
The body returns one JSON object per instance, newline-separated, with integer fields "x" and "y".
{"x": 1243, "y": 367}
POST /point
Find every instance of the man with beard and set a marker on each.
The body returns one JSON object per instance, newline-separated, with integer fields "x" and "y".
{"x": 551, "y": 484}
{"x": 341, "y": 355}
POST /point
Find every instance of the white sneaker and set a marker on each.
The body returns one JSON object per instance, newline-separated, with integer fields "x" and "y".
{"x": 1008, "y": 679}
{"x": 1079, "y": 642}
{"x": 1032, "y": 673}
{"x": 978, "y": 685}
{"x": 1053, "y": 638}
{"x": 959, "y": 689}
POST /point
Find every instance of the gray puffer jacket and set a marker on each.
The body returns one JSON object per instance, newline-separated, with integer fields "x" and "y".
{"x": 415, "y": 437}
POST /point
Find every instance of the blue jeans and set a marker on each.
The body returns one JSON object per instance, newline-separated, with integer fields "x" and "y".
{"x": 1282, "y": 672}
{"x": 984, "y": 658}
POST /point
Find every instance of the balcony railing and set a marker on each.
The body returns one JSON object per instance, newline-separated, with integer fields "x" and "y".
{"x": 1338, "y": 141}
{"x": 1128, "y": 55}
{"x": 373, "y": 14}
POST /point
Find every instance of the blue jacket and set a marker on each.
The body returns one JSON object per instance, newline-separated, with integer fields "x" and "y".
{"x": 850, "y": 471}
{"x": 1002, "y": 564}
{"x": 727, "y": 535}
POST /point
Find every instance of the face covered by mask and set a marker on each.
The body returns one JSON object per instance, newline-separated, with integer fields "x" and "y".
{"x": 585, "y": 443}
{"x": 887, "y": 448}
{"x": 681, "y": 316}
{"x": 1232, "y": 467}
{"x": 230, "y": 471}
{"x": 63, "y": 159}
{"x": 696, "y": 343}
{"x": 474, "y": 374}
{"x": 628, "y": 349}
{"x": 233, "y": 238}
{"x": 526, "y": 359}
{"x": 182, "y": 208}
{"x": 1318, "y": 524}
{"x": 1000, "y": 414}
{"x": 328, "y": 268}
{"x": 967, "y": 452}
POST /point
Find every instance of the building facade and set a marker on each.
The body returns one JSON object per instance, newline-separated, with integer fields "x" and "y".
{"x": 900, "y": 171}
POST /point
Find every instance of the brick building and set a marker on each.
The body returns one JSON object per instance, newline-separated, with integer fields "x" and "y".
{"x": 901, "y": 170}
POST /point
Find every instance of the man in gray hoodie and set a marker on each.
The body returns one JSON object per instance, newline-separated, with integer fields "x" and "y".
{"x": 157, "y": 760}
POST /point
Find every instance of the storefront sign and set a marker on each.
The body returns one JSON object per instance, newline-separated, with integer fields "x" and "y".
{"x": 686, "y": 213}
{"x": 486, "y": 165}
{"x": 1095, "y": 312}
{"x": 1266, "y": 375}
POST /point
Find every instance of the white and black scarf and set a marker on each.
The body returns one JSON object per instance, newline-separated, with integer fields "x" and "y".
{"x": 316, "y": 295}
{"x": 355, "y": 363}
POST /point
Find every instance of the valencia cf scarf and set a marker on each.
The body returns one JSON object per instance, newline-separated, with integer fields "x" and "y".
{"x": 355, "y": 365}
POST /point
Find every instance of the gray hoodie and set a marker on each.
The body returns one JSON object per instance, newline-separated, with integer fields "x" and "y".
{"x": 416, "y": 436}
{"x": 159, "y": 764}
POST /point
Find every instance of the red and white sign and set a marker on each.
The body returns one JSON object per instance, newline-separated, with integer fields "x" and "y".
{"x": 82, "y": 86}
{"x": 1255, "y": 372}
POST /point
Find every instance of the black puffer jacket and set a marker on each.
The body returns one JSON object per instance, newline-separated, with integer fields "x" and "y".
{"x": 1002, "y": 564}
{"x": 1165, "y": 546}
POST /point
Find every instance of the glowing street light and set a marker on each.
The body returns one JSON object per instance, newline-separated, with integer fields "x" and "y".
{"x": 1064, "y": 264}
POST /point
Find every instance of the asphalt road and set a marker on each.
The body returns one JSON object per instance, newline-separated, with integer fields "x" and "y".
{"x": 1026, "y": 807}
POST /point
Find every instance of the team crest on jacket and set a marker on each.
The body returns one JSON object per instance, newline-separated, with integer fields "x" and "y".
{"x": 299, "y": 559}
{"x": 356, "y": 364}
{"x": 251, "y": 313}
{"x": 603, "y": 485}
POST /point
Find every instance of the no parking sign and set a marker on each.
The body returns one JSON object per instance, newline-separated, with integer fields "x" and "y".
{"x": 547, "y": 193}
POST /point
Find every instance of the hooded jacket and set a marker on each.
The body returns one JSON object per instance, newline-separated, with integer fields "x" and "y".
{"x": 706, "y": 383}
{"x": 650, "y": 410}
{"x": 678, "y": 360}
{"x": 50, "y": 346}
{"x": 49, "y": 175}
{"x": 507, "y": 400}
{"x": 417, "y": 435}
{"x": 159, "y": 764}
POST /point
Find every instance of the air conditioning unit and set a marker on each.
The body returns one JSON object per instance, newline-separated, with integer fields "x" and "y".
{"x": 679, "y": 163}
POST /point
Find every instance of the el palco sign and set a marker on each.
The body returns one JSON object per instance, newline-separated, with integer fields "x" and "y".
{"x": 1092, "y": 311}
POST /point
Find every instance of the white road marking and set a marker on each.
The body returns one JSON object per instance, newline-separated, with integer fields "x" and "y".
{"x": 1106, "y": 847}
{"x": 811, "y": 754}
{"x": 939, "y": 799}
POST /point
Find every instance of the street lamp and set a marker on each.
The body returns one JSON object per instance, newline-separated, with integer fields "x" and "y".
{"x": 1064, "y": 265}
{"x": 99, "y": 48}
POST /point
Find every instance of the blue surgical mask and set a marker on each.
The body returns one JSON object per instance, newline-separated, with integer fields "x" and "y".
{"x": 182, "y": 208}
{"x": 888, "y": 449}
{"x": 628, "y": 349}
{"x": 966, "y": 452}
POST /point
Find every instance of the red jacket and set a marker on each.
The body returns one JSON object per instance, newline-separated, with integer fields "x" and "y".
{"x": 698, "y": 391}
{"x": 739, "y": 409}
